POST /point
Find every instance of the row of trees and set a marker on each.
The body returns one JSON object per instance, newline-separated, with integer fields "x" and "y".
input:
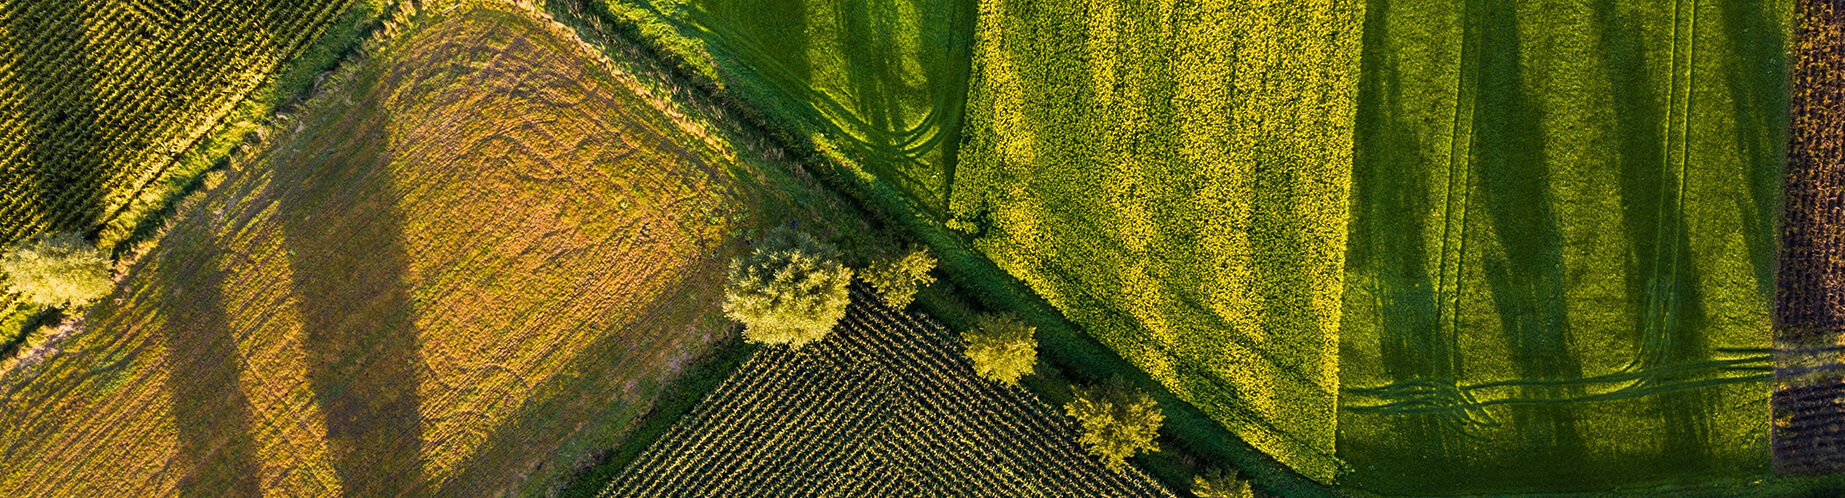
{"x": 792, "y": 290}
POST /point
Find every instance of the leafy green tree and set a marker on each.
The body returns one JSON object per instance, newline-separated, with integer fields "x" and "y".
{"x": 1002, "y": 348}
{"x": 790, "y": 290}
{"x": 898, "y": 278}
{"x": 1218, "y": 484}
{"x": 1118, "y": 422}
{"x": 56, "y": 270}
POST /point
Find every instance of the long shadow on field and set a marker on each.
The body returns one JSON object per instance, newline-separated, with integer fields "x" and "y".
{"x": 1527, "y": 281}
{"x": 772, "y": 62}
{"x": 343, "y": 236}
{"x": 1759, "y": 100}
{"x": 1661, "y": 274}
{"x": 54, "y": 74}
{"x": 1391, "y": 176}
{"x": 203, "y": 365}
{"x": 588, "y": 391}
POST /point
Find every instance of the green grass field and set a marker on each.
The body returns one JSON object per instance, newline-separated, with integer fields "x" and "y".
{"x": 1174, "y": 180}
{"x": 1562, "y": 242}
{"x": 882, "y": 81}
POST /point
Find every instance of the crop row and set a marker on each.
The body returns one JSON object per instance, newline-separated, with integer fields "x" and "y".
{"x": 885, "y": 405}
{"x": 1810, "y": 305}
{"x": 99, "y": 97}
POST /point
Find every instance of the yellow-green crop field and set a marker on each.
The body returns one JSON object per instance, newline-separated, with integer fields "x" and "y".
{"x": 1174, "y": 177}
{"x": 461, "y": 269}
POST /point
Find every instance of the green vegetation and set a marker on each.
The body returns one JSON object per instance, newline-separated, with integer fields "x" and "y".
{"x": 1220, "y": 484}
{"x": 791, "y": 290}
{"x": 882, "y": 82}
{"x": 1002, "y": 348}
{"x": 1174, "y": 179}
{"x": 1562, "y": 247}
{"x": 897, "y": 278}
{"x": 884, "y": 406}
{"x": 1117, "y": 422}
{"x": 58, "y": 269}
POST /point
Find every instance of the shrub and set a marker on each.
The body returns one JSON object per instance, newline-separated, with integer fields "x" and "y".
{"x": 1218, "y": 484}
{"x": 898, "y": 278}
{"x": 1002, "y": 348}
{"x": 790, "y": 290}
{"x": 56, "y": 270}
{"x": 1117, "y": 422}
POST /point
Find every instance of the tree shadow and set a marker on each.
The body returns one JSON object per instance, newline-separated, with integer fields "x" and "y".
{"x": 1390, "y": 176}
{"x": 1528, "y": 280}
{"x": 1662, "y": 279}
{"x": 1759, "y": 100}
{"x": 343, "y": 235}
{"x": 580, "y": 396}
{"x": 203, "y": 364}
{"x": 61, "y": 188}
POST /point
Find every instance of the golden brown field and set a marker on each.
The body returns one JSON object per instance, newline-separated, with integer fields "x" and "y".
{"x": 462, "y": 267}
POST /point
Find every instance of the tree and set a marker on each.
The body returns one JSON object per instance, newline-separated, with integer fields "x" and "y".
{"x": 1002, "y": 348}
{"x": 790, "y": 290}
{"x": 1218, "y": 484}
{"x": 58, "y": 269}
{"x": 1117, "y": 422}
{"x": 898, "y": 278}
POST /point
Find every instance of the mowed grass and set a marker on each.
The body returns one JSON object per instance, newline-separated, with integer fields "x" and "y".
{"x": 1174, "y": 178}
{"x": 881, "y": 81}
{"x": 461, "y": 269}
{"x": 1562, "y": 245}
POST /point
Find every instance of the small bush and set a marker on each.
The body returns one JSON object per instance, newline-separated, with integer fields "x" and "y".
{"x": 1118, "y": 423}
{"x": 1218, "y": 484}
{"x": 790, "y": 290}
{"x": 1002, "y": 348}
{"x": 898, "y": 278}
{"x": 56, "y": 270}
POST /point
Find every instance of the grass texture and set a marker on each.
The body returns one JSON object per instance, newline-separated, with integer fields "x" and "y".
{"x": 1561, "y": 263}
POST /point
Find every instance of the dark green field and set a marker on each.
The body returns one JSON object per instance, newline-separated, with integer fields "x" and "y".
{"x": 881, "y": 81}
{"x": 1560, "y": 267}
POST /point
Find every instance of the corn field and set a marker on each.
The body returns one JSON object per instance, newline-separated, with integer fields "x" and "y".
{"x": 885, "y": 406}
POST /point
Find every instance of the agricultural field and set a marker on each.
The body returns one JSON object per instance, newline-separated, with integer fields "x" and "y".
{"x": 462, "y": 268}
{"x": 99, "y": 102}
{"x": 1562, "y": 251}
{"x": 881, "y": 81}
{"x": 1174, "y": 179}
{"x": 1809, "y": 396}
{"x": 1338, "y": 247}
{"x": 884, "y": 406}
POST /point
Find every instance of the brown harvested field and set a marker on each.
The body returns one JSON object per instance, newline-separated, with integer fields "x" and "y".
{"x": 1809, "y": 401}
{"x": 463, "y": 267}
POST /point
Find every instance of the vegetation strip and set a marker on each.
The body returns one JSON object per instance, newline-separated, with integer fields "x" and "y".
{"x": 1197, "y": 439}
{"x": 884, "y": 405}
{"x": 1809, "y": 398}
